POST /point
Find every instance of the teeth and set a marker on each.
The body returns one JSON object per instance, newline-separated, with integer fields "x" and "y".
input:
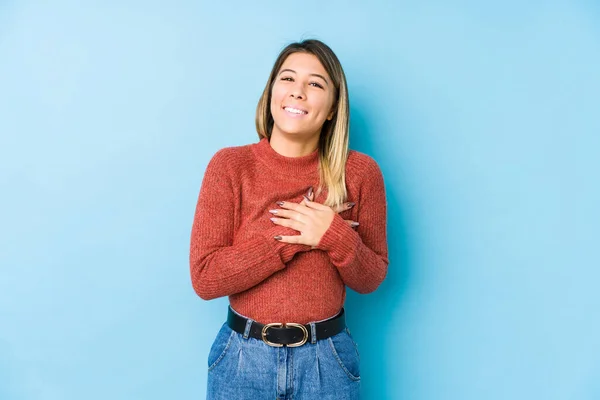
{"x": 295, "y": 111}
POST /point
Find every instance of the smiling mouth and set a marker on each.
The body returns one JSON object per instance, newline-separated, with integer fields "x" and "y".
{"x": 297, "y": 111}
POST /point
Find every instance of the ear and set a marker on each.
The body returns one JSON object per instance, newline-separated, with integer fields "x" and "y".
{"x": 332, "y": 113}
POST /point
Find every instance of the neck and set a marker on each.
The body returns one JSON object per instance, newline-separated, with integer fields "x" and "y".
{"x": 306, "y": 165}
{"x": 292, "y": 147}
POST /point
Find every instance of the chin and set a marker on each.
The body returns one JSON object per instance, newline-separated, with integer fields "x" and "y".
{"x": 293, "y": 133}
{"x": 292, "y": 130}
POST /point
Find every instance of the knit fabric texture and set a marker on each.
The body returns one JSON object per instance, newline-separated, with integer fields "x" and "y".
{"x": 233, "y": 251}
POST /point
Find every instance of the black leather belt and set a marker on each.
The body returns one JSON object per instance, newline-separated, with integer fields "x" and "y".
{"x": 288, "y": 334}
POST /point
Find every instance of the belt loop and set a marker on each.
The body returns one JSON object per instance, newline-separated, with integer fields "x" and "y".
{"x": 313, "y": 333}
{"x": 248, "y": 326}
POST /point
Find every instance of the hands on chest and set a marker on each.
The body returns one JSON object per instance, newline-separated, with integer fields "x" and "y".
{"x": 309, "y": 218}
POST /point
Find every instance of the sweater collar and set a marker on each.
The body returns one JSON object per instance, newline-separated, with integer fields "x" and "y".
{"x": 295, "y": 166}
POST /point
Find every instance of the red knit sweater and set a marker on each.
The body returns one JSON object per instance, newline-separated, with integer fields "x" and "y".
{"x": 233, "y": 252}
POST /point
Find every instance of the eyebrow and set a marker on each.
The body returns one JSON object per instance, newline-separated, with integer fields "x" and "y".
{"x": 317, "y": 75}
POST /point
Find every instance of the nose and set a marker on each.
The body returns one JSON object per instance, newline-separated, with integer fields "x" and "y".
{"x": 297, "y": 91}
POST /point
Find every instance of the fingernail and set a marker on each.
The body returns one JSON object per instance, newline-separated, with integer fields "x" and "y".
{"x": 310, "y": 191}
{"x": 351, "y": 204}
{"x": 277, "y": 237}
{"x": 273, "y": 211}
{"x": 280, "y": 203}
{"x": 354, "y": 224}
{"x": 307, "y": 199}
{"x": 273, "y": 219}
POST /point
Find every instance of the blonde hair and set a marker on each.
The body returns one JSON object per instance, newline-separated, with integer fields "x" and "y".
{"x": 333, "y": 140}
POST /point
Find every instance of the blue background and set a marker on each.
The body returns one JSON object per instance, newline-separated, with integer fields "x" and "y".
{"x": 484, "y": 118}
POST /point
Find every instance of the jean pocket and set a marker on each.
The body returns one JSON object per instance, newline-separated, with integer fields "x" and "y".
{"x": 220, "y": 346}
{"x": 345, "y": 351}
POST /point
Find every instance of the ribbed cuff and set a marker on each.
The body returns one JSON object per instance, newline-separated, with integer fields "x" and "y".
{"x": 286, "y": 251}
{"x": 340, "y": 238}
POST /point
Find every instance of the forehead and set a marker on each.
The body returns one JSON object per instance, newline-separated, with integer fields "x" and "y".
{"x": 304, "y": 63}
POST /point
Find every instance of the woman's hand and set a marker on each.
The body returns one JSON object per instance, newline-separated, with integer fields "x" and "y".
{"x": 346, "y": 206}
{"x": 309, "y": 218}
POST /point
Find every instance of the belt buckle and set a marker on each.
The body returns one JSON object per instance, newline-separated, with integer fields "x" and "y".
{"x": 280, "y": 325}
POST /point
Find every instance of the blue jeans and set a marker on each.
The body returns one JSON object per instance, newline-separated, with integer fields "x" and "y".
{"x": 241, "y": 367}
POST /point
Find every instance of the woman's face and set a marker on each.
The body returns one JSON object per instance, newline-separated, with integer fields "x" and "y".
{"x": 302, "y": 96}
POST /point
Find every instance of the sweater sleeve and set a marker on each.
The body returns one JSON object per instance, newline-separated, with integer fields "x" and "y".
{"x": 218, "y": 267}
{"x": 361, "y": 255}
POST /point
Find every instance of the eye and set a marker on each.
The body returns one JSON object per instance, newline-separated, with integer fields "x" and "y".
{"x": 287, "y": 78}
{"x": 317, "y": 84}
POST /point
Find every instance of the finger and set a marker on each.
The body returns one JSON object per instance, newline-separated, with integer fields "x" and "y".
{"x": 300, "y": 208}
{"x": 285, "y": 214}
{"x": 288, "y": 223}
{"x": 310, "y": 194}
{"x": 303, "y": 202}
{"x": 353, "y": 224}
{"x": 344, "y": 207}
{"x": 297, "y": 239}
{"x": 316, "y": 206}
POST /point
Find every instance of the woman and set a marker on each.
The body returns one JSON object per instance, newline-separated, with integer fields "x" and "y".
{"x": 281, "y": 227}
